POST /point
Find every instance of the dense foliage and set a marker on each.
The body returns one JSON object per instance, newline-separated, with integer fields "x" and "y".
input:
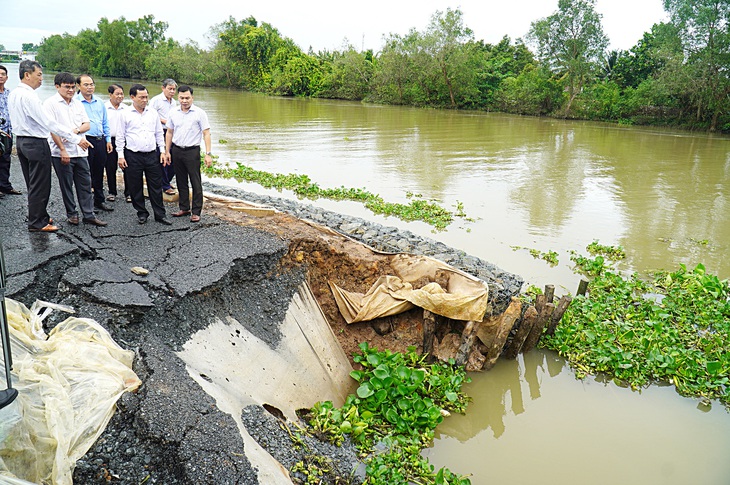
{"x": 677, "y": 74}
{"x": 671, "y": 327}
{"x": 392, "y": 417}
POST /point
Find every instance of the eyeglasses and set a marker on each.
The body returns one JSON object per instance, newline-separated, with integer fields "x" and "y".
{"x": 72, "y": 86}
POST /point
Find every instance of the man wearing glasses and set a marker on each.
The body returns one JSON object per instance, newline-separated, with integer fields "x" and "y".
{"x": 98, "y": 135}
{"x": 32, "y": 125}
{"x": 69, "y": 160}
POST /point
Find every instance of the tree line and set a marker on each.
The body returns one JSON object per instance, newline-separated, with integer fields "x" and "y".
{"x": 677, "y": 74}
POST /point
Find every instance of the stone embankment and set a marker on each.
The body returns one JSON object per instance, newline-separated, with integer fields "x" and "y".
{"x": 171, "y": 431}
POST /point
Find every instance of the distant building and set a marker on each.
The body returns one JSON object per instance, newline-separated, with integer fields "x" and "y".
{"x": 18, "y": 55}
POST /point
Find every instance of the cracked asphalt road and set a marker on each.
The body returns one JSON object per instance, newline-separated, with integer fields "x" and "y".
{"x": 170, "y": 431}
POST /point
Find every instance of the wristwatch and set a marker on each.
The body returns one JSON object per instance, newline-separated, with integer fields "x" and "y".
{"x": 209, "y": 153}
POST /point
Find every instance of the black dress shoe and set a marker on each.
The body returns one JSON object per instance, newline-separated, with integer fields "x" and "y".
{"x": 7, "y": 396}
{"x": 103, "y": 206}
{"x": 12, "y": 192}
{"x": 95, "y": 222}
{"x": 142, "y": 219}
{"x": 164, "y": 221}
{"x": 74, "y": 220}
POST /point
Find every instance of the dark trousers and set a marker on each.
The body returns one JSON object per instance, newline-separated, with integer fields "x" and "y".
{"x": 5, "y": 185}
{"x": 77, "y": 174}
{"x": 111, "y": 169}
{"x": 97, "y": 164}
{"x": 35, "y": 161}
{"x": 112, "y": 163}
{"x": 147, "y": 164}
{"x": 187, "y": 166}
{"x": 168, "y": 172}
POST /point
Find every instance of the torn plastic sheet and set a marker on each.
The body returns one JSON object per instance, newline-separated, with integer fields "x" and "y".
{"x": 464, "y": 296}
{"x": 68, "y": 384}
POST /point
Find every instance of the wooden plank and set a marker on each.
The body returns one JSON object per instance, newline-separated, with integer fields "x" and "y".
{"x": 509, "y": 317}
{"x": 429, "y": 331}
{"x": 528, "y": 320}
{"x": 468, "y": 336}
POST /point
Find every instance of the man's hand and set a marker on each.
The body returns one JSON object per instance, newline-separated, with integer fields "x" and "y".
{"x": 208, "y": 160}
{"x": 109, "y": 147}
{"x": 122, "y": 163}
{"x": 165, "y": 159}
{"x": 84, "y": 144}
{"x": 65, "y": 159}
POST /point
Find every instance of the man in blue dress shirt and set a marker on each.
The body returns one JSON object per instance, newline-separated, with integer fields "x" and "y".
{"x": 5, "y": 186}
{"x": 98, "y": 135}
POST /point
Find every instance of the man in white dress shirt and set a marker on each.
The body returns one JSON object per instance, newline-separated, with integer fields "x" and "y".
{"x": 32, "y": 125}
{"x": 186, "y": 126}
{"x": 70, "y": 161}
{"x": 163, "y": 103}
{"x": 114, "y": 107}
{"x": 138, "y": 139}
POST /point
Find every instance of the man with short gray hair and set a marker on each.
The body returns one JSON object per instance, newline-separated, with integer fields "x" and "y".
{"x": 32, "y": 125}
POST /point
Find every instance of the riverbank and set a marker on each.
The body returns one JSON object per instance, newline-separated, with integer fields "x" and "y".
{"x": 233, "y": 264}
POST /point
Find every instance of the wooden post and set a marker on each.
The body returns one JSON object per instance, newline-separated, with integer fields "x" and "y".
{"x": 558, "y": 313}
{"x": 549, "y": 293}
{"x": 467, "y": 342}
{"x": 536, "y": 331}
{"x": 509, "y": 317}
{"x": 540, "y": 301}
{"x": 582, "y": 287}
{"x": 429, "y": 330}
{"x": 528, "y": 320}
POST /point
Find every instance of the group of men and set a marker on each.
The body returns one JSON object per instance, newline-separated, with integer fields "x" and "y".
{"x": 83, "y": 138}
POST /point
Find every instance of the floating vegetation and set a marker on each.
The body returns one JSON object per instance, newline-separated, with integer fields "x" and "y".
{"x": 417, "y": 209}
{"x": 392, "y": 417}
{"x": 613, "y": 253}
{"x": 668, "y": 327}
{"x": 551, "y": 257}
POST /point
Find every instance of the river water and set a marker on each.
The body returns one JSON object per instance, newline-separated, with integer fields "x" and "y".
{"x": 528, "y": 183}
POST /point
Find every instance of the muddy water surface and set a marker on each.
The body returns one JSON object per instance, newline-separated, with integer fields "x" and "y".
{"x": 531, "y": 183}
{"x": 532, "y": 422}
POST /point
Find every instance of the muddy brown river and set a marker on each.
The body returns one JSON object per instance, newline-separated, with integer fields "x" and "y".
{"x": 531, "y": 183}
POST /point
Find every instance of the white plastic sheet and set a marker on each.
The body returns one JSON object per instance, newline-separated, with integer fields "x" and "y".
{"x": 68, "y": 384}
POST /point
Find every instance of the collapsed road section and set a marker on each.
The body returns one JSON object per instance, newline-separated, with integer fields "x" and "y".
{"x": 228, "y": 314}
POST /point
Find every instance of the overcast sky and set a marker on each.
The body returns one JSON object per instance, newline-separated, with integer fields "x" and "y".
{"x": 321, "y": 24}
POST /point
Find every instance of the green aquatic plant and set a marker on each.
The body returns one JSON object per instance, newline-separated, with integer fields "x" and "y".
{"x": 417, "y": 209}
{"x": 668, "y": 327}
{"x": 393, "y": 414}
{"x": 613, "y": 253}
{"x": 550, "y": 257}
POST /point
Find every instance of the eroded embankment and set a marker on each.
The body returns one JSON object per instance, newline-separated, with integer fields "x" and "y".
{"x": 232, "y": 266}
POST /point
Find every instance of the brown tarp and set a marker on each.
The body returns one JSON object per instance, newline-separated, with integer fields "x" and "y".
{"x": 463, "y": 298}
